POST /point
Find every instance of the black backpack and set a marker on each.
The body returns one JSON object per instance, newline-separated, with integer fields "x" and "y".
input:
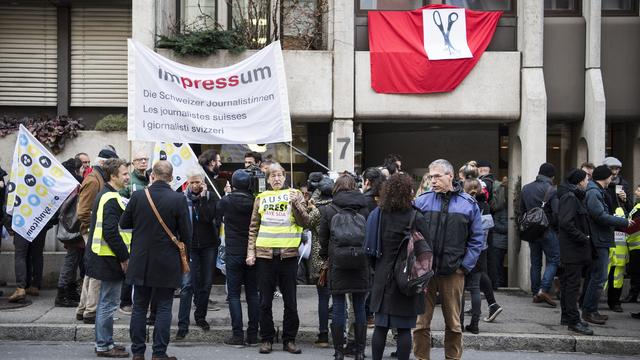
{"x": 412, "y": 273}
{"x": 347, "y": 236}
{"x": 533, "y": 223}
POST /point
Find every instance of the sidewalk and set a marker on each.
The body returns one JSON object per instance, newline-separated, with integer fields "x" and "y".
{"x": 521, "y": 326}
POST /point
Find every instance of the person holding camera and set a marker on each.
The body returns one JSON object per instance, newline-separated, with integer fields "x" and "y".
{"x": 278, "y": 219}
{"x": 235, "y": 211}
{"x": 203, "y": 250}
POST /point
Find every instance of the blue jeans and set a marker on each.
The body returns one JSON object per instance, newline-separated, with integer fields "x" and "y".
{"x": 196, "y": 285}
{"x": 598, "y": 277}
{"x": 107, "y": 306}
{"x": 238, "y": 273}
{"x": 338, "y": 318}
{"x": 550, "y": 246}
{"x": 323, "y": 308}
{"x": 163, "y": 298}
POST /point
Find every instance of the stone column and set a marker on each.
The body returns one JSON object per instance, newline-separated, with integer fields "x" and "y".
{"x": 594, "y": 125}
{"x": 342, "y": 139}
{"x": 530, "y": 133}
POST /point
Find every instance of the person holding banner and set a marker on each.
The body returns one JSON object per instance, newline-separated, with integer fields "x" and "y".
{"x": 279, "y": 216}
{"x": 155, "y": 263}
{"x": 107, "y": 254}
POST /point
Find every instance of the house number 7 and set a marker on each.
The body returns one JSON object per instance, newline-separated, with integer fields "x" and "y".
{"x": 346, "y": 141}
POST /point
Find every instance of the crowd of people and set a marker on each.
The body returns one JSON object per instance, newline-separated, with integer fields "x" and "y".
{"x": 383, "y": 251}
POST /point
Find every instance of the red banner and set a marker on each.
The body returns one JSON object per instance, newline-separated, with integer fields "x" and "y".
{"x": 399, "y": 63}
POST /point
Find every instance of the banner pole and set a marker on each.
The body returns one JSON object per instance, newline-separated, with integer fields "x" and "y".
{"x": 291, "y": 161}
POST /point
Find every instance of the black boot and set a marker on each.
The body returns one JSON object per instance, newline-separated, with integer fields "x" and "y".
{"x": 473, "y": 326}
{"x": 360, "y": 333}
{"x": 337, "y": 334}
{"x": 72, "y": 292}
{"x": 63, "y": 300}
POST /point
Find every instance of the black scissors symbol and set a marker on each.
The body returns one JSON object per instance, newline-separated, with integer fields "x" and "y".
{"x": 437, "y": 19}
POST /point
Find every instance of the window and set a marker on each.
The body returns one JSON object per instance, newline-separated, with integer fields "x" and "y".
{"x": 198, "y": 14}
{"x": 391, "y": 4}
{"x": 564, "y": 8}
{"x": 253, "y": 19}
{"x": 508, "y": 6}
{"x": 620, "y": 7}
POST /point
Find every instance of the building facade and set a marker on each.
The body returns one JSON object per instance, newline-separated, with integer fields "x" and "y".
{"x": 559, "y": 83}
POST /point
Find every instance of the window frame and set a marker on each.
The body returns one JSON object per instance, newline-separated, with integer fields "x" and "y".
{"x": 363, "y": 12}
{"x": 617, "y": 13}
{"x": 510, "y": 13}
{"x": 577, "y": 12}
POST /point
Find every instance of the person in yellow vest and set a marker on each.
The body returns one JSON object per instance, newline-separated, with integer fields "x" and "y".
{"x": 618, "y": 259}
{"x": 633, "y": 267}
{"x": 107, "y": 254}
{"x": 279, "y": 216}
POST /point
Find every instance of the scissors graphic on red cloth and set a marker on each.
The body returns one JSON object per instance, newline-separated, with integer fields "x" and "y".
{"x": 437, "y": 19}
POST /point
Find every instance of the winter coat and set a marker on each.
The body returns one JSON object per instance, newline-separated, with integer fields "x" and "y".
{"x": 456, "y": 231}
{"x": 138, "y": 182}
{"x": 385, "y": 295}
{"x": 500, "y": 238}
{"x": 315, "y": 261}
{"x": 155, "y": 259}
{"x": 299, "y": 210}
{"x": 532, "y": 195}
{"x": 235, "y": 211}
{"x": 342, "y": 281}
{"x": 603, "y": 223}
{"x": 106, "y": 267}
{"x": 370, "y": 199}
{"x": 202, "y": 212}
{"x": 574, "y": 228}
{"x": 90, "y": 187}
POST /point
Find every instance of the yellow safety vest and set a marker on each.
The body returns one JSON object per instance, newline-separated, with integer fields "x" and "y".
{"x": 278, "y": 228}
{"x": 619, "y": 255}
{"x": 98, "y": 246}
{"x": 633, "y": 240}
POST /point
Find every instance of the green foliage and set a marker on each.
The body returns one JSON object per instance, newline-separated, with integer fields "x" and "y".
{"x": 52, "y": 132}
{"x": 112, "y": 122}
{"x": 203, "y": 42}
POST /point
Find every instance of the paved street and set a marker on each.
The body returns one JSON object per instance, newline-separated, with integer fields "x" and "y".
{"x": 70, "y": 351}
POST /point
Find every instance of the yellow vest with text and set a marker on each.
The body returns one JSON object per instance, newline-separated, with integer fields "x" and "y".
{"x": 278, "y": 228}
{"x": 98, "y": 245}
{"x": 633, "y": 240}
{"x": 619, "y": 255}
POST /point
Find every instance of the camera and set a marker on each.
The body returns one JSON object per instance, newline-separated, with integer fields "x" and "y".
{"x": 258, "y": 181}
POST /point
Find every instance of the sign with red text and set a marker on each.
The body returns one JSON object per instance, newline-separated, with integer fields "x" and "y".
{"x": 239, "y": 104}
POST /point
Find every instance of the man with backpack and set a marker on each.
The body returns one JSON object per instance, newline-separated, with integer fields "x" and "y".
{"x": 455, "y": 227}
{"x": 541, "y": 193}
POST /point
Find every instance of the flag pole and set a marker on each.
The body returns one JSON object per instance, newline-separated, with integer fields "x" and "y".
{"x": 291, "y": 161}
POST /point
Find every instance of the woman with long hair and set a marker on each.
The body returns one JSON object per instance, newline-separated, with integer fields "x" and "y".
{"x": 392, "y": 308}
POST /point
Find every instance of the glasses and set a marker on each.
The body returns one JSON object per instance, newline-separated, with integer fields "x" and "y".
{"x": 141, "y": 159}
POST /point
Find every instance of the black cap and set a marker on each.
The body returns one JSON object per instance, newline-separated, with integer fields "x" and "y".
{"x": 547, "y": 169}
{"x": 107, "y": 154}
{"x": 483, "y": 163}
{"x": 576, "y": 176}
{"x": 602, "y": 172}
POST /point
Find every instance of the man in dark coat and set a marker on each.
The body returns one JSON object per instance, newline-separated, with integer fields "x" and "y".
{"x": 576, "y": 250}
{"x": 154, "y": 264}
{"x": 603, "y": 225}
{"x": 534, "y": 195}
{"x": 107, "y": 254}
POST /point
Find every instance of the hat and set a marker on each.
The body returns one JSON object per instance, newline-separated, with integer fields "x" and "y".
{"x": 576, "y": 176}
{"x": 107, "y": 154}
{"x": 483, "y": 163}
{"x": 547, "y": 169}
{"x": 602, "y": 172}
{"x": 612, "y": 162}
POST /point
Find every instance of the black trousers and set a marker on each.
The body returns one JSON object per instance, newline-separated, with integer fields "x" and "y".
{"x": 280, "y": 272}
{"x": 570, "y": 291}
{"x": 29, "y": 260}
{"x": 613, "y": 294}
{"x": 633, "y": 269}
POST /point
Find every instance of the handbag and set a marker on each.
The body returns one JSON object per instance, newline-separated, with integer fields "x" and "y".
{"x": 533, "y": 223}
{"x": 184, "y": 261}
{"x": 324, "y": 269}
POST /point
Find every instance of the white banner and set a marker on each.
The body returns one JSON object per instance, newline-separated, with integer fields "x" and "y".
{"x": 243, "y": 103}
{"x": 445, "y": 34}
{"x": 37, "y": 186}
{"x": 180, "y": 156}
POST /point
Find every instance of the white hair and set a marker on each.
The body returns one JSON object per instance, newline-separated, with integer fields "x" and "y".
{"x": 444, "y": 164}
{"x": 195, "y": 172}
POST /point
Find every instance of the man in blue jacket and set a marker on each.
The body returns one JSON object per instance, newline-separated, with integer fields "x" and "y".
{"x": 455, "y": 226}
{"x": 603, "y": 224}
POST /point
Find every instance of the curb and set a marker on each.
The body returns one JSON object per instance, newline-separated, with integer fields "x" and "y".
{"x": 484, "y": 342}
